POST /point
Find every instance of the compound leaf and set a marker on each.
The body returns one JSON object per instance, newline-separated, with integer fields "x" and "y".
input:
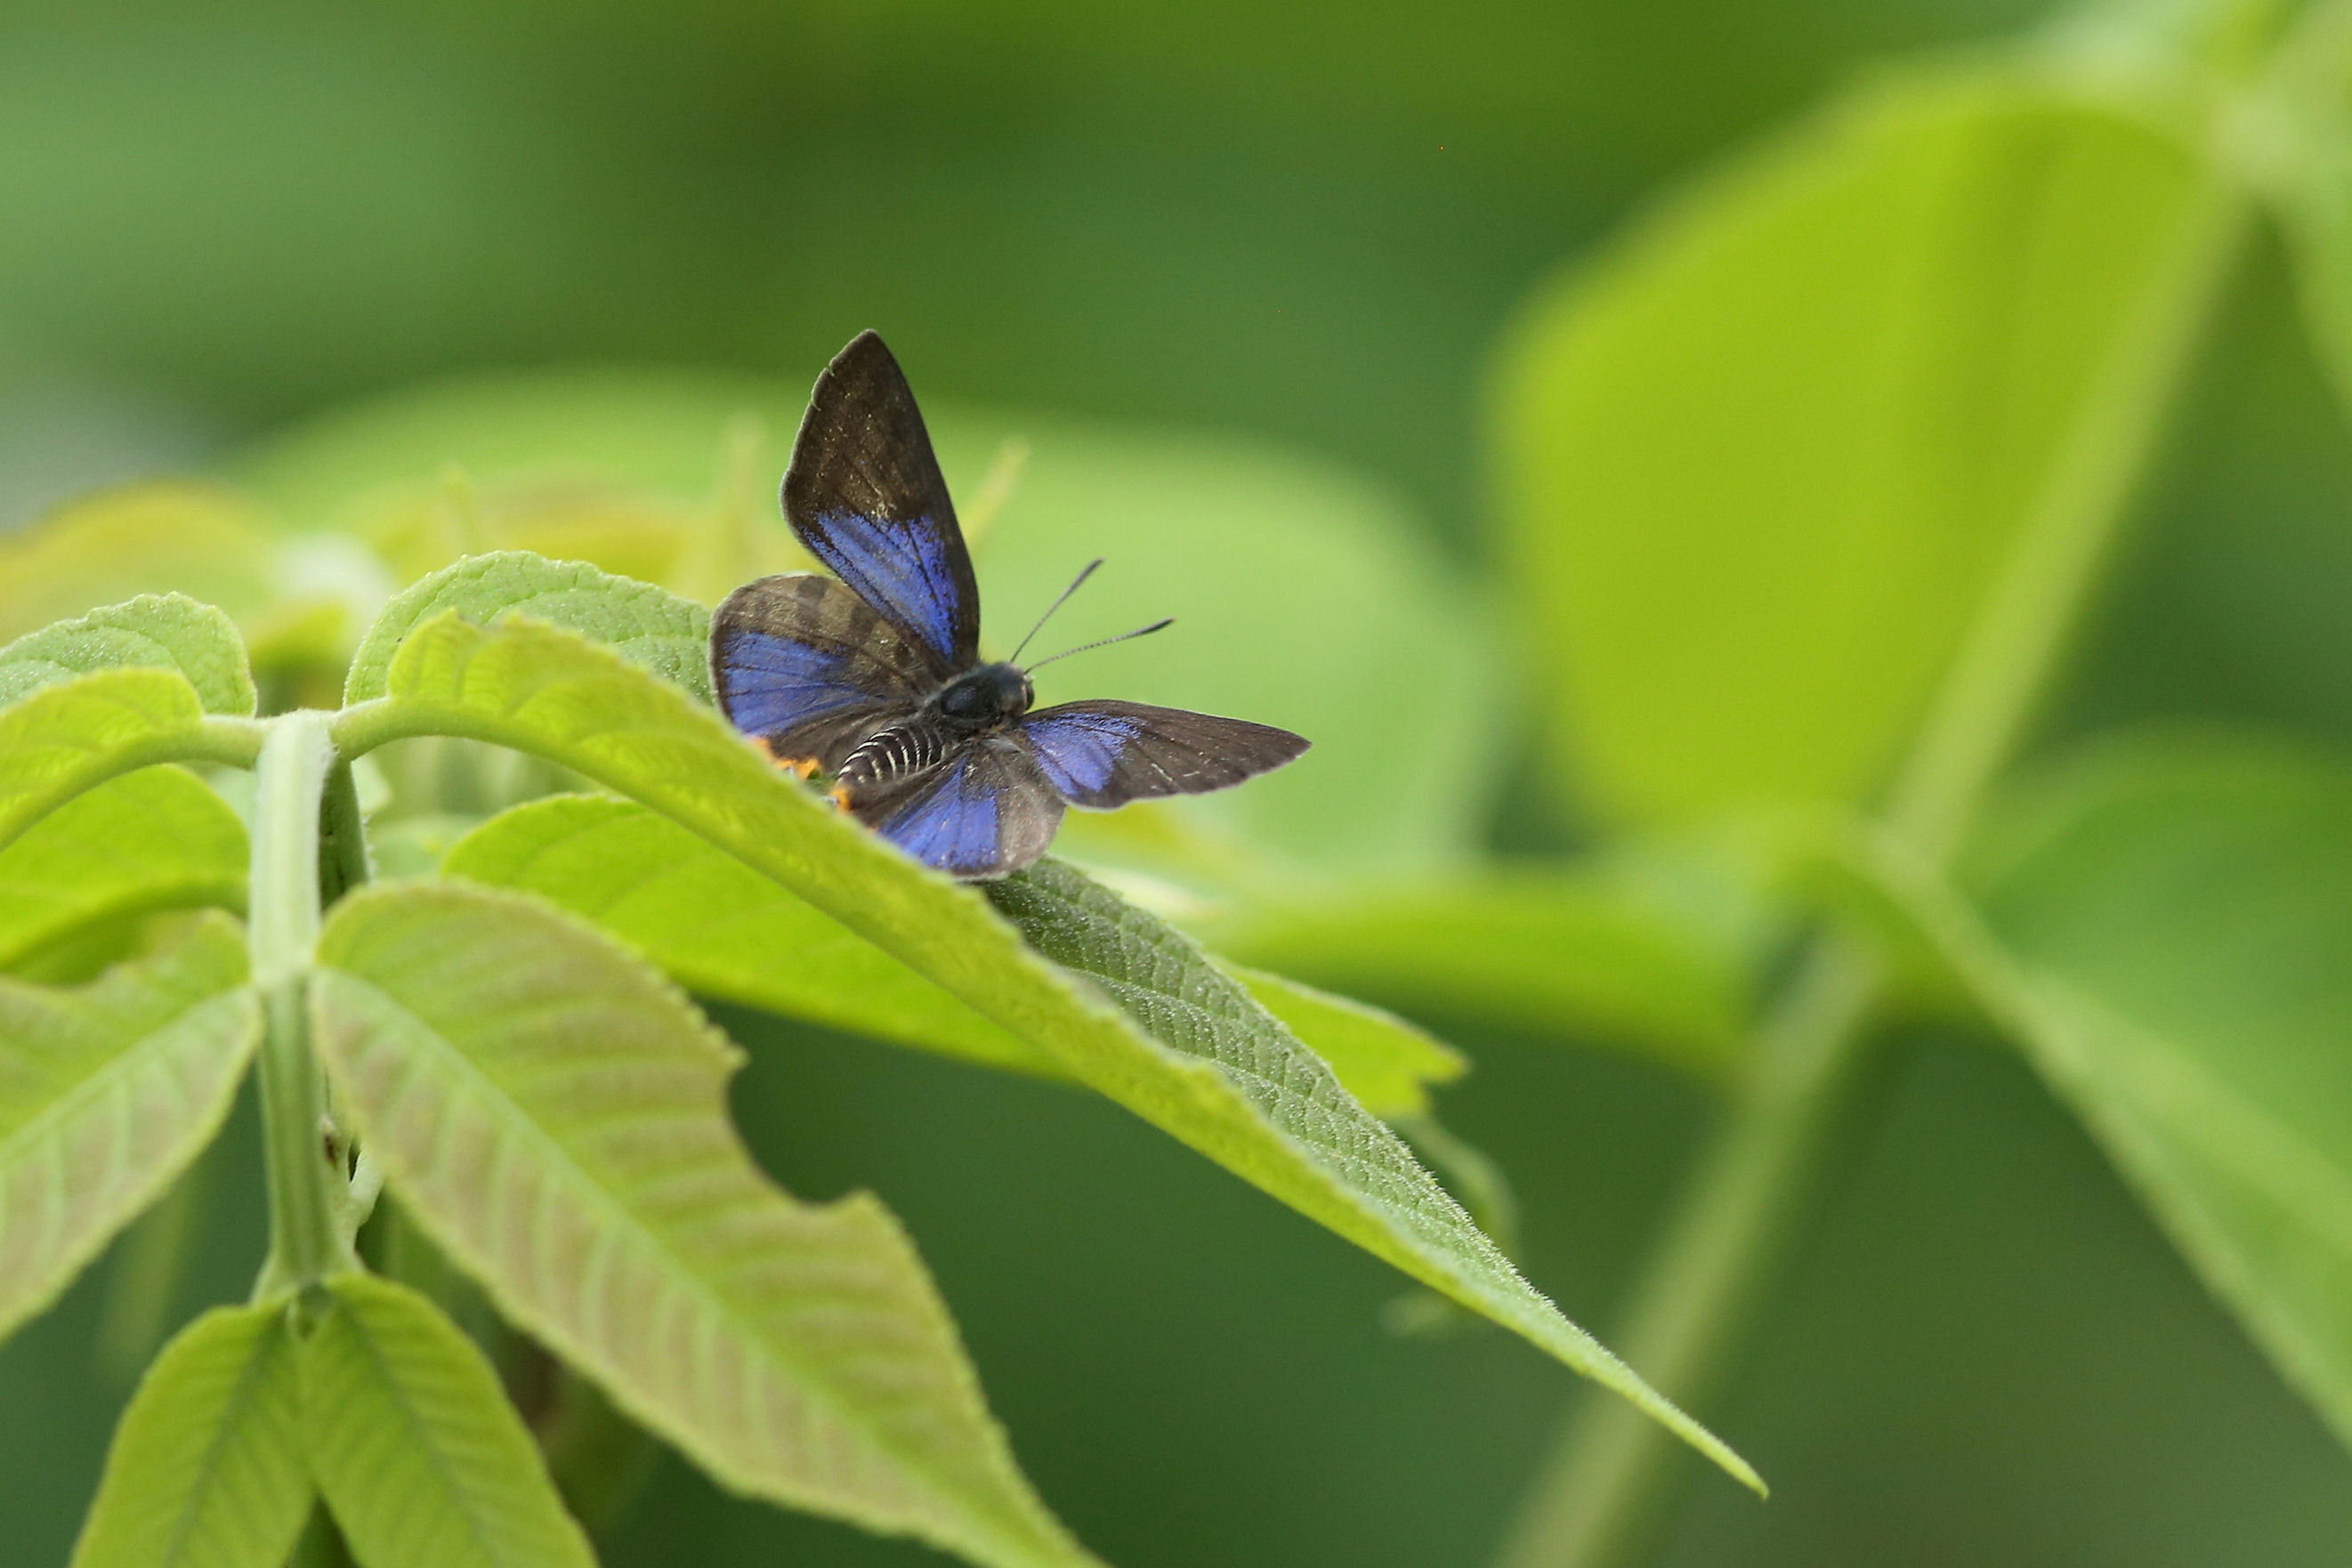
{"x": 1228, "y": 1080}
{"x": 554, "y": 1114}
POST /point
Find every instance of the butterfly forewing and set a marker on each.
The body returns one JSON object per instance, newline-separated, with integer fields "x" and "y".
{"x": 865, "y": 494}
{"x": 1102, "y": 754}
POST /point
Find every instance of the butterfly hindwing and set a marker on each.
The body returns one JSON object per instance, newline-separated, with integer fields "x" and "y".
{"x": 805, "y": 665}
{"x": 865, "y": 494}
{"x": 984, "y": 811}
{"x": 1102, "y": 754}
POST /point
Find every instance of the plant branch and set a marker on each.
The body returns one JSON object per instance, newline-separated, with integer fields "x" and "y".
{"x": 293, "y": 776}
{"x": 1600, "y": 1499}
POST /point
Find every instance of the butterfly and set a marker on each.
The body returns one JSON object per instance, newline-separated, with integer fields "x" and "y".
{"x": 873, "y": 676}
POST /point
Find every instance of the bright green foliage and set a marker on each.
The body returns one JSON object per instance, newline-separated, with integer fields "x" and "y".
{"x": 207, "y": 1469}
{"x": 555, "y": 1115}
{"x": 1258, "y": 1104}
{"x": 67, "y": 738}
{"x": 643, "y": 624}
{"x": 721, "y": 929}
{"x": 1568, "y": 953}
{"x": 1762, "y": 465}
{"x": 1275, "y": 1115}
{"x": 153, "y": 631}
{"x": 107, "y": 1092}
{"x": 419, "y": 1457}
{"x": 2180, "y": 923}
{"x": 1385, "y": 1064}
{"x": 155, "y": 839}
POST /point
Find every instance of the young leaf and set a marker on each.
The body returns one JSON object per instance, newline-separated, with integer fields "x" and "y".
{"x": 67, "y": 738}
{"x": 1289, "y": 1131}
{"x": 1385, "y": 1063}
{"x": 155, "y": 839}
{"x": 1561, "y": 954}
{"x": 2173, "y": 924}
{"x": 153, "y": 631}
{"x": 107, "y": 1092}
{"x": 554, "y": 1114}
{"x": 420, "y": 1458}
{"x": 643, "y": 624}
{"x": 721, "y": 929}
{"x": 171, "y": 537}
{"x": 1765, "y": 461}
{"x": 208, "y": 1468}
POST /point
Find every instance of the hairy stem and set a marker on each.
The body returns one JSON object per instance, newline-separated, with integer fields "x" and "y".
{"x": 305, "y": 1184}
{"x": 1601, "y": 1497}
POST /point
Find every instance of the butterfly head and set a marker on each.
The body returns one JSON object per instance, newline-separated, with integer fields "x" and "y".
{"x": 991, "y": 694}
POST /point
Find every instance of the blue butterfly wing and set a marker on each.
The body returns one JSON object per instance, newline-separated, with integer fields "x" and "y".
{"x": 865, "y": 494}
{"x": 808, "y": 667}
{"x": 1098, "y": 755}
{"x": 984, "y": 812}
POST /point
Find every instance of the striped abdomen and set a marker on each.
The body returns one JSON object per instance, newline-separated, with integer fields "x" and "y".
{"x": 893, "y": 753}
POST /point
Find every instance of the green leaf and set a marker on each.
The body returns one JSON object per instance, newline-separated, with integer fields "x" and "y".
{"x": 155, "y": 839}
{"x": 643, "y": 624}
{"x": 153, "y": 631}
{"x": 420, "y": 1458}
{"x": 1571, "y": 952}
{"x": 208, "y": 1468}
{"x": 722, "y": 930}
{"x": 555, "y": 1116}
{"x": 1388, "y": 666}
{"x": 1765, "y": 458}
{"x": 545, "y": 691}
{"x": 107, "y": 1092}
{"x": 1329, "y": 1158}
{"x": 174, "y": 537}
{"x": 2174, "y": 931}
{"x": 75, "y": 735}
{"x": 1385, "y": 1064}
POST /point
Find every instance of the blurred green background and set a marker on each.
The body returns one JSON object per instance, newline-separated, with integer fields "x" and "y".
{"x": 1303, "y": 223}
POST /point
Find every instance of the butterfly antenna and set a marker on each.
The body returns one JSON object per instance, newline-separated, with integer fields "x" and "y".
{"x": 1160, "y": 625}
{"x": 1084, "y": 573}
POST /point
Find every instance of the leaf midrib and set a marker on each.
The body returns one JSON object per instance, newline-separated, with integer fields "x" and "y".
{"x": 461, "y": 1496}
{"x": 238, "y": 1402}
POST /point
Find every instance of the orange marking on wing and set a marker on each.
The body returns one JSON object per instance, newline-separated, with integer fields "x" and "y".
{"x": 801, "y": 767}
{"x": 839, "y": 796}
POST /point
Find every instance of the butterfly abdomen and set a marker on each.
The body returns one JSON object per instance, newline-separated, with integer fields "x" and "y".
{"x": 892, "y": 753}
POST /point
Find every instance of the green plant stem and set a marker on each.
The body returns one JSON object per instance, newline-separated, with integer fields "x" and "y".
{"x": 1601, "y": 1497}
{"x": 282, "y": 920}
